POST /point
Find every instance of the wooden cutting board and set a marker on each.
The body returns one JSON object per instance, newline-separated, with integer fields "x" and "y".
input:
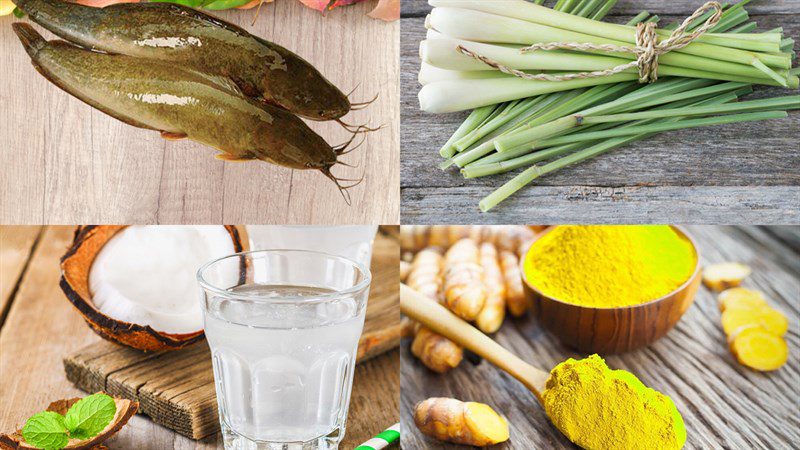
{"x": 176, "y": 389}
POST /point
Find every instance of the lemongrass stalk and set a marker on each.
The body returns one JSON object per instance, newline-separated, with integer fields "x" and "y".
{"x": 641, "y": 17}
{"x": 460, "y": 24}
{"x": 601, "y": 13}
{"x": 460, "y": 95}
{"x": 795, "y": 72}
{"x": 766, "y": 104}
{"x": 559, "y": 5}
{"x": 787, "y": 45}
{"x": 587, "y": 8}
{"x": 431, "y": 74}
{"x": 659, "y": 127}
{"x": 562, "y": 101}
{"x": 648, "y": 93}
{"x": 566, "y": 106}
{"x": 443, "y": 53}
{"x": 475, "y": 118}
{"x": 588, "y": 98}
{"x": 492, "y": 125}
{"x": 750, "y": 26}
{"x": 716, "y": 46}
{"x": 534, "y": 172}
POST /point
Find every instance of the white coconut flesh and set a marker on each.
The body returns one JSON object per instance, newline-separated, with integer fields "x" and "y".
{"x": 146, "y": 275}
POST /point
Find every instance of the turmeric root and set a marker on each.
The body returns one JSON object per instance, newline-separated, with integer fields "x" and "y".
{"x": 740, "y": 297}
{"x": 425, "y": 275}
{"x": 719, "y": 277}
{"x": 513, "y": 238}
{"x": 467, "y": 423}
{"x": 437, "y": 352}
{"x": 767, "y": 318}
{"x": 493, "y": 313}
{"x": 405, "y": 269}
{"x": 755, "y": 347}
{"x": 464, "y": 292}
{"x": 518, "y": 302}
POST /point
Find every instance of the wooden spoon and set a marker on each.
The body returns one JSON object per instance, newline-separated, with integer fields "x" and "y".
{"x": 440, "y": 320}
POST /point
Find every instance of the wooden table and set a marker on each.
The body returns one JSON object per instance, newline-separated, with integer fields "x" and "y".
{"x": 724, "y": 404}
{"x": 64, "y": 162}
{"x": 38, "y": 326}
{"x": 725, "y": 174}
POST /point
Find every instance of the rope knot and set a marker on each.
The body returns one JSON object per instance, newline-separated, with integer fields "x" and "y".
{"x": 647, "y": 49}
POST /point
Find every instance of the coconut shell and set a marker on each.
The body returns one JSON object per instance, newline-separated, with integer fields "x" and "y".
{"x": 125, "y": 410}
{"x": 75, "y": 266}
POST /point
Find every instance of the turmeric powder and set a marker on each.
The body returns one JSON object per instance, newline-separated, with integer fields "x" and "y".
{"x": 605, "y": 266}
{"x": 603, "y": 409}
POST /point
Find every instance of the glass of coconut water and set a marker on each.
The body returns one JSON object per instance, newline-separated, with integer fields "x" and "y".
{"x": 283, "y": 327}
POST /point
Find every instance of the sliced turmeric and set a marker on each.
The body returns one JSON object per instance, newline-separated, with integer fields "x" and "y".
{"x": 466, "y": 423}
{"x": 464, "y": 292}
{"x": 757, "y": 348}
{"x": 719, "y": 277}
{"x": 493, "y": 313}
{"x": 740, "y": 297}
{"x": 437, "y": 352}
{"x": 518, "y": 302}
{"x": 766, "y": 317}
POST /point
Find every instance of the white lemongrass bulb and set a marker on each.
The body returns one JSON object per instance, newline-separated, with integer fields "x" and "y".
{"x": 460, "y": 95}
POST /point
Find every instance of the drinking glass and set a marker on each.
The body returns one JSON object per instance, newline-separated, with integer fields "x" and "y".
{"x": 350, "y": 241}
{"x": 283, "y": 327}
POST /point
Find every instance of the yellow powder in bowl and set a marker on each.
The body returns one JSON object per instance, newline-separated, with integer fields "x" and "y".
{"x": 605, "y": 266}
{"x": 603, "y": 409}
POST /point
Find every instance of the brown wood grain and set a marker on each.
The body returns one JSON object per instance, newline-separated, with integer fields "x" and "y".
{"x": 42, "y": 327}
{"x": 64, "y": 162}
{"x": 724, "y": 405}
{"x": 16, "y": 245}
{"x": 742, "y": 173}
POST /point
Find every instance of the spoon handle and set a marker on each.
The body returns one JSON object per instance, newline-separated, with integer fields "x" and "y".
{"x": 440, "y": 320}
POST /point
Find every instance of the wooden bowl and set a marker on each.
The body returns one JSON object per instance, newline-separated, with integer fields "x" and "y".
{"x": 618, "y": 329}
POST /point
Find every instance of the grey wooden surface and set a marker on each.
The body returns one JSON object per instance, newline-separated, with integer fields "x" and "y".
{"x": 724, "y": 405}
{"x": 741, "y": 173}
{"x": 64, "y": 162}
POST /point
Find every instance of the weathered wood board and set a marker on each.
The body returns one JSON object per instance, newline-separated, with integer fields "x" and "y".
{"x": 724, "y": 405}
{"x": 42, "y": 327}
{"x": 741, "y": 173}
{"x": 176, "y": 389}
{"x": 16, "y": 245}
{"x": 64, "y": 162}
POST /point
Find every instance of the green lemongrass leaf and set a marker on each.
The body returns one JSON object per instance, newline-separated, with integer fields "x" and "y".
{"x": 18, "y": 13}
{"x": 641, "y": 17}
{"x": 90, "y": 415}
{"x": 46, "y": 430}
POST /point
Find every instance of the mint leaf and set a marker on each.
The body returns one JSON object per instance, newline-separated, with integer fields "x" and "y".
{"x": 46, "y": 430}
{"x": 89, "y": 416}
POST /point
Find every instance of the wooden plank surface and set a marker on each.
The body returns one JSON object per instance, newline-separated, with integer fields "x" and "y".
{"x": 16, "y": 245}
{"x": 724, "y": 404}
{"x": 746, "y": 172}
{"x": 64, "y": 162}
{"x": 42, "y": 326}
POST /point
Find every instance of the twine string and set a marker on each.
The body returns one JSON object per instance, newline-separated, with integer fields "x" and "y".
{"x": 647, "y": 49}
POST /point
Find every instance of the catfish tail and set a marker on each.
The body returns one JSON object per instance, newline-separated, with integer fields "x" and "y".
{"x": 30, "y": 38}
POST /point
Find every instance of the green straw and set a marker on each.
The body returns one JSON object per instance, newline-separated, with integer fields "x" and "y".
{"x": 383, "y": 439}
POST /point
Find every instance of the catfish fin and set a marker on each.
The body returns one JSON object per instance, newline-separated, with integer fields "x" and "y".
{"x": 173, "y": 136}
{"x": 234, "y": 158}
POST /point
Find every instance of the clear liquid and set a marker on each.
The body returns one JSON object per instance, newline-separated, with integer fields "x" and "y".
{"x": 283, "y": 371}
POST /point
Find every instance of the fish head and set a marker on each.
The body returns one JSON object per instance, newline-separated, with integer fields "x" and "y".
{"x": 289, "y": 142}
{"x": 314, "y": 100}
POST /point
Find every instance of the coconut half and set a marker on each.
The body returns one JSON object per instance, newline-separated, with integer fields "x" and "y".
{"x": 136, "y": 285}
{"x": 125, "y": 410}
